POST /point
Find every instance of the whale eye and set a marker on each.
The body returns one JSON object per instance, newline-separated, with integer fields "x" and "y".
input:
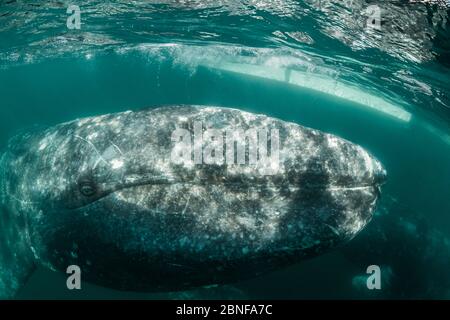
{"x": 87, "y": 189}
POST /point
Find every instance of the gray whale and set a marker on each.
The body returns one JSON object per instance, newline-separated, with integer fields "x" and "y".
{"x": 102, "y": 193}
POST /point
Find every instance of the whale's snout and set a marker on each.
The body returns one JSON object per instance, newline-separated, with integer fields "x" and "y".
{"x": 380, "y": 177}
{"x": 380, "y": 174}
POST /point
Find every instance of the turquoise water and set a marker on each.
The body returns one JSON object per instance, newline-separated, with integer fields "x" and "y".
{"x": 312, "y": 62}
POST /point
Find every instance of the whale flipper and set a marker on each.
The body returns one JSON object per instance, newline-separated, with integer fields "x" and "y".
{"x": 16, "y": 258}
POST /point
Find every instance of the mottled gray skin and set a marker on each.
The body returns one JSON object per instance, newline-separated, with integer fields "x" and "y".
{"x": 151, "y": 225}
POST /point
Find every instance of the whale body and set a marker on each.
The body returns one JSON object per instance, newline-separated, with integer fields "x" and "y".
{"x": 103, "y": 193}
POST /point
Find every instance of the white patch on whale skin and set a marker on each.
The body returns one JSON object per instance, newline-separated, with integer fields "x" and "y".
{"x": 82, "y": 122}
{"x": 42, "y": 146}
{"x": 367, "y": 160}
{"x": 333, "y": 141}
{"x": 93, "y": 135}
{"x": 116, "y": 164}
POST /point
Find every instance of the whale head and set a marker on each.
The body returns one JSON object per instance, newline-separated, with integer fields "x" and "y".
{"x": 104, "y": 193}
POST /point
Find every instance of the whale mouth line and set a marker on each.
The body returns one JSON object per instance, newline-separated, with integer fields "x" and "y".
{"x": 249, "y": 184}
{"x": 145, "y": 180}
{"x": 372, "y": 187}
